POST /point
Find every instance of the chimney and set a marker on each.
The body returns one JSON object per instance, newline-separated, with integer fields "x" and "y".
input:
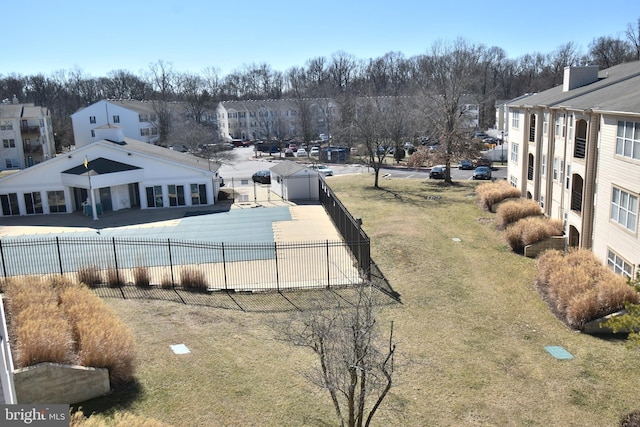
{"x": 575, "y": 77}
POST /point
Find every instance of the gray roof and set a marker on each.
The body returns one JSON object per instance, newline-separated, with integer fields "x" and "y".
{"x": 287, "y": 168}
{"x": 166, "y": 154}
{"x": 616, "y": 90}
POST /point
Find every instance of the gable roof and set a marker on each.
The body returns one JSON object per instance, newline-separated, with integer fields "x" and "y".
{"x": 287, "y": 168}
{"x": 616, "y": 89}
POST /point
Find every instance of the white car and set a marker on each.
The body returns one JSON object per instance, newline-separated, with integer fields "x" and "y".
{"x": 315, "y": 152}
{"x": 325, "y": 170}
{"x": 301, "y": 152}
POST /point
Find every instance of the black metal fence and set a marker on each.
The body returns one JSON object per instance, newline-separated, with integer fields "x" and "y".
{"x": 206, "y": 266}
{"x": 349, "y": 227}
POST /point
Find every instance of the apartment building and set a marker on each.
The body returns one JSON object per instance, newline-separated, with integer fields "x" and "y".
{"x": 575, "y": 149}
{"x": 26, "y": 134}
{"x": 275, "y": 118}
{"x": 137, "y": 119}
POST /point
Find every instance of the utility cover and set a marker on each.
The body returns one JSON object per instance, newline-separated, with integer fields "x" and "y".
{"x": 180, "y": 349}
{"x": 558, "y": 352}
{"x": 456, "y": 239}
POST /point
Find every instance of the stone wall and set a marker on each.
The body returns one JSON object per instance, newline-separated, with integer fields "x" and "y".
{"x": 555, "y": 242}
{"x": 56, "y": 383}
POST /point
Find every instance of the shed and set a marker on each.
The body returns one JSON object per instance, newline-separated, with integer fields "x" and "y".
{"x": 292, "y": 181}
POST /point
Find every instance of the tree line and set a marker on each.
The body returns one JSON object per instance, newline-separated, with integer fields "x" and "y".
{"x": 491, "y": 76}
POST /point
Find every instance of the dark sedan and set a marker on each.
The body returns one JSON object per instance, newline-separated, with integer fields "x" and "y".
{"x": 482, "y": 172}
{"x": 436, "y": 172}
{"x": 263, "y": 177}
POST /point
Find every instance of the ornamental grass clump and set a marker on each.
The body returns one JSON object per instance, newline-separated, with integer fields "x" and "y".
{"x": 41, "y": 331}
{"x": 578, "y": 288}
{"x": 141, "y": 277}
{"x": 527, "y": 231}
{"x": 489, "y": 194}
{"x": 193, "y": 279}
{"x": 90, "y": 275}
{"x": 102, "y": 340}
{"x": 513, "y": 210}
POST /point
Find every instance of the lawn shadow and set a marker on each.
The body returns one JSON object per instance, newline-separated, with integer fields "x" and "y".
{"x": 119, "y": 399}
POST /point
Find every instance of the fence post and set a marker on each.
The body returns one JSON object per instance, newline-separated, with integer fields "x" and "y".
{"x": 59, "y": 255}
{"x": 115, "y": 261}
{"x": 173, "y": 283}
{"x": 4, "y": 264}
{"x": 328, "y": 267}
{"x": 224, "y": 268}
{"x": 275, "y": 253}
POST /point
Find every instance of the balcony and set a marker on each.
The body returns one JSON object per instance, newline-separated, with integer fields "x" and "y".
{"x": 580, "y": 148}
{"x": 30, "y": 130}
{"x": 32, "y": 149}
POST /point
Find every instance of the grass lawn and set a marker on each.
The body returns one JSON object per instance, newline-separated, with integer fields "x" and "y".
{"x": 471, "y": 333}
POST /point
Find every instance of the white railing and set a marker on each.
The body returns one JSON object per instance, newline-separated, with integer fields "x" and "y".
{"x": 6, "y": 363}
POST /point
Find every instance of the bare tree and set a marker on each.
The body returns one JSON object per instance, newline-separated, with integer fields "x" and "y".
{"x": 355, "y": 364}
{"x": 369, "y": 130}
{"x": 633, "y": 37}
{"x": 448, "y": 74}
{"x": 163, "y": 80}
{"x": 609, "y": 51}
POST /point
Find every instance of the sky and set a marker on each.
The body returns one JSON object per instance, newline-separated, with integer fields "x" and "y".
{"x": 45, "y": 37}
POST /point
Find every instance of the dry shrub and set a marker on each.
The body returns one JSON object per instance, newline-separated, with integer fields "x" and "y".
{"x": 193, "y": 279}
{"x": 580, "y": 288}
{"x": 491, "y": 193}
{"x": 102, "y": 340}
{"x": 141, "y": 277}
{"x": 530, "y": 230}
{"x": 90, "y": 275}
{"x": 42, "y": 333}
{"x": 514, "y": 210}
{"x": 631, "y": 420}
{"x": 119, "y": 419}
{"x": 114, "y": 278}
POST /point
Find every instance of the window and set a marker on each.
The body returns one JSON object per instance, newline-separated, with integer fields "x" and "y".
{"x": 93, "y": 134}
{"x": 154, "y": 131}
{"x": 515, "y": 119}
{"x": 570, "y": 126}
{"x": 543, "y": 166}
{"x": 514, "y": 152}
{"x": 33, "y": 203}
{"x": 6, "y": 126}
{"x": 628, "y": 140}
{"x": 9, "y": 204}
{"x": 198, "y": 194}
{"x": 619, "y": 265}
{"x": 56, "y": 201}
{"x": 144, "y": 132}
{"x": 513, "y": 180}
{"x": 92, "y": 120}
{"x": 624, "y": 209}
{"x": 143, "y": 117}
{"x": 154, "y": 197}
{"x": 542, "y": 201}
{"x": 176, "y": 195}
{"x": 545, "y": 123}
{"x": 7, "y": 143}
{"x": 116, "y": 119}
{"x": 560, "y": 125}
{"x": 567, "y": 176}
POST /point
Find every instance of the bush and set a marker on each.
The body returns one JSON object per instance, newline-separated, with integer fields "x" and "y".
{"x": 514, "y": 210}
{"x": 579, "y": 288}
{"x": 90, "y": 275}
{"x": 492, "y": 193}
{"x": 530, "y": 230}
{"x": 114, "y": 279}
{"x": 631, "y": 420}
{"x": 41, "y": 332}
{"x": 166, "y": 283}
{"x": 193, "y": 279}
{"x": 141, "y": 277}
{"x": 102, "y": 340}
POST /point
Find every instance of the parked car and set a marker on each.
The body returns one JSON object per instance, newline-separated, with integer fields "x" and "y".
{"x": 436, "y": 172}
{"x": 301, "y": 152}
{"x": 466, "y": 164}
{"x": 288, "y": 152}
{"x": 482, "y": 172}
{"x": 315, "y": 152}
{"x": 293, "y": 147}
{"x": 484, "y": 162}
{"x": 325, "y": 170}
{"x": 262, "y": 177}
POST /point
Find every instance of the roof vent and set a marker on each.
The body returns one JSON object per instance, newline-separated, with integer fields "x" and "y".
{"x": 575, "y": 77}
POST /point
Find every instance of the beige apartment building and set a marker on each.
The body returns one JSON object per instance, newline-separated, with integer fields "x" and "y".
{"x": 575, "y": 149}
